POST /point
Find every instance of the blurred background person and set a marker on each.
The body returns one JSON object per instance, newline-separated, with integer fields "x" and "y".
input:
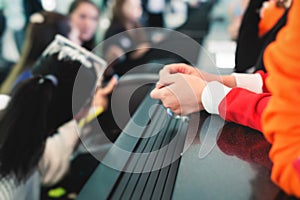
{"x": 27, "y": 154}
{"x": 236, "y": 12}
{"x": 40, "y": 32}
{"x": 22, "y": 144}
{"x": 125, "y": 16}
{"x": 127, "y": 45}
{"x": 85, "y": 15}
{"x": 155, "y": 10}
{"x": 16, "y": 13}
{"x": 13, "y": 35}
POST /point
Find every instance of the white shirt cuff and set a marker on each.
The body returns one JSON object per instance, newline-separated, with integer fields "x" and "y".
{"x": 252, "y": 82}
{"x": 212, "y": 95}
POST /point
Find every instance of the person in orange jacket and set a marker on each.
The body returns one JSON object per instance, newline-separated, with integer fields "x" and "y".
{"x": 280, "y": 120}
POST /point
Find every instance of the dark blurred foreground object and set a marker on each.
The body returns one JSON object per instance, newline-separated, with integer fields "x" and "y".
{"x": 251, "y": 47}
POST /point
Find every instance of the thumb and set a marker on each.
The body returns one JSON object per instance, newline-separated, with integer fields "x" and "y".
{"x": 155, "y": 94}
{"x": 167, "y": 79}
{"x": 110, "y": 86}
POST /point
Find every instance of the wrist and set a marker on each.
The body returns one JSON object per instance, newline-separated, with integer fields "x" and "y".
{"x": 229, "y": 81}
{"x": 212, "y": 95}
{"x": 252, "y": 82}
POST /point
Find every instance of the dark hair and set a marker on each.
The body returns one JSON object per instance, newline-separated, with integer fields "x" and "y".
{"x": 117, "y": 13}
{"x": 23, "y": 128}
{"x": 62, "y": 104}
{"x": 75, "y": 4}
{"x": 38, "y": 36}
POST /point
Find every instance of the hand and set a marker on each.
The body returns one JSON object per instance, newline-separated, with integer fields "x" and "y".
{"x": 100, "y": 97}
{"x": 114, "y": 52}
{"x": 181, "y": 93}
{"x": 182, "y": 68}
{"x": 140, "y": 51}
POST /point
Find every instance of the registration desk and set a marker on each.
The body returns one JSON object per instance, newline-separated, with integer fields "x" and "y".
{"x": 200, "y": 158}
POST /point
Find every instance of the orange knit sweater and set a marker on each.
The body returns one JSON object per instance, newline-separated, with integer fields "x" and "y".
{"x": 281, "y": 119}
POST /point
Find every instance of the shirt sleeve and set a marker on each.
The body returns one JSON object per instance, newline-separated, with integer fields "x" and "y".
{"x": 236, "y": 105}
{"x": 213, "y": 93}
{"x": 263, "y": 77}
{"x": 244, "y": 107}
{"x": 252, "y": 82}
{"x": 55, "y": 161}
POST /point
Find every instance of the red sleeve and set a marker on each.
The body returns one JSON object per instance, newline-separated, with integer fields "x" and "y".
{"x": 264, "y": 77}
{"x": 244, "y": 107}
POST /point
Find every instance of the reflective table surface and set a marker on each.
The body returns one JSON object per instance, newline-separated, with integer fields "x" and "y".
{"x": 225, "y": 161}
{"x": 219, "y": 160}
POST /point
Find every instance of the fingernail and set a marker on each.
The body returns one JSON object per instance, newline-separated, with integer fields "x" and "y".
{"x": 116, "y": 76}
